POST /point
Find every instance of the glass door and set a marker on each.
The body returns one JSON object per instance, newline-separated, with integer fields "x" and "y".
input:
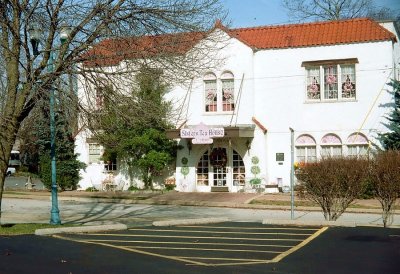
{"x": 219, "y": 177}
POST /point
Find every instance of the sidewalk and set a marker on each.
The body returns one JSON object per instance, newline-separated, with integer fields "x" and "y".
{"x": 278, "y": 201}
{"x": 94, "y": 208}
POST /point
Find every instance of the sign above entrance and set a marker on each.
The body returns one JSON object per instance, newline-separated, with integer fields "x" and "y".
{"x": 202, "y": 134}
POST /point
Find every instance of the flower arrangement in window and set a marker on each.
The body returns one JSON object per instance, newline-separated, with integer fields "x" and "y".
{"x": 210, "y": 95}
{"x": 313, "y": 89}
{"x": 218, "y": 157}
{"x": 348, "y": 88}
{"x": 330, "y": 78}
{"x": 228, "y": 94}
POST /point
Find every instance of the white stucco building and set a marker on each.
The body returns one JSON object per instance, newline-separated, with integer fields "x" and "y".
{"x": 326, "y": 81}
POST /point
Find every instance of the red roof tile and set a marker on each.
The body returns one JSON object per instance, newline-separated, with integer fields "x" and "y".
{"x": 358, "y": 30}
{"x": 111, "y": 52}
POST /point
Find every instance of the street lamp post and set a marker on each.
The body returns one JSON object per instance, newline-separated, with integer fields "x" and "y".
{"x": 35, "y": 39}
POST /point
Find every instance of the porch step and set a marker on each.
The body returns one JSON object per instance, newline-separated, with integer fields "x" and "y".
{"x": 219, "y": 189}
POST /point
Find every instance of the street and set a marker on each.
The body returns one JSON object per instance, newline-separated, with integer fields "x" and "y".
{"x": 334, "y": 250}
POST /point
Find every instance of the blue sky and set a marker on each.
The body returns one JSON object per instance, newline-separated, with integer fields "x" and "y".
{"x": 247, "y": 13}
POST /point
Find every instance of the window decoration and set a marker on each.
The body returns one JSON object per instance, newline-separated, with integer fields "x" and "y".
{"x": 219, "y": 94}
{"x": 338, "y": 81}
{"x": 228, "y": 90}
{"x": 348, "y": 82}
{"x": 313, "y": 86}
{"x": 331, "y": 88}
{"x": 218, "y": 157}
{"x": 210, "y": 87}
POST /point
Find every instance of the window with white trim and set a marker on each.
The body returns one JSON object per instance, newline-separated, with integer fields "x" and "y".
{"x": 306, "y": 149}
{"x": 331, "y": 146}
{"x": 239, "y": 170}
{"x": 357, "y": 145}
{"x": 202, "y": 170}
{"x": 95, "y": 152}
{"x": 219, "y": 93}
{"x": 330, "y": 82}
{"x": 210, "y": 90}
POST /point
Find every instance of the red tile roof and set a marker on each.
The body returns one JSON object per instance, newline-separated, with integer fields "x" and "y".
{"x": 111, "y": 52}
{"x": 360, "y": 30}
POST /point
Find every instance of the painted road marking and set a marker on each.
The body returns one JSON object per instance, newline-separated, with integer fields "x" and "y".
{"x": 222, "y": 232}
{"x": 164, "y": 243}
{"x": 189, "y": 243}
{"x": 195, "y": 237}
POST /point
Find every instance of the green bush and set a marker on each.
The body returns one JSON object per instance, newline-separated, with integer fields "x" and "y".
{"x": 91, "y": 189}
{"x": 170, "y": 187}
{"x": 133, "y": 188}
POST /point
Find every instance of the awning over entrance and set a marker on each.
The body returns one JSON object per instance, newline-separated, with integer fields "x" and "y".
{"x": 246, "y": 131}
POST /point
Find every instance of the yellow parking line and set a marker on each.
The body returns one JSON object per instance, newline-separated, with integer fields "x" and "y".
{"x": 297, "y": 247}
{"x": 188, "y": 243}
{"x": 220, "y": 232}
{"x": 134, "y": 250}
{"x": 194, "y": 237}
{"x": 224, "y": 259}
{"x": 205, "y": 249}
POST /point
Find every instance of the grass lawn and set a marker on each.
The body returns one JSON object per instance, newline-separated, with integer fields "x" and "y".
{"x": 21, "y": 229}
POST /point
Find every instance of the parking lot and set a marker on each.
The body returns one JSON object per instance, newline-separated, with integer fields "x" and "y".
{"x": 224, "y": 244}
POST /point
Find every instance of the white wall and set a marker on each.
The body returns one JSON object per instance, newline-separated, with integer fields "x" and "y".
{"x": 280, "y": 102}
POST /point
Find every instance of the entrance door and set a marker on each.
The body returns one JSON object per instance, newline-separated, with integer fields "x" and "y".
{"x": 220, "y": 175}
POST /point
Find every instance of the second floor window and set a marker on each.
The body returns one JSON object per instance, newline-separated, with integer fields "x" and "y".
{"x": 219, "y": 93}
{"x": 95, "y": 152}
{"x": 330, "y": 81}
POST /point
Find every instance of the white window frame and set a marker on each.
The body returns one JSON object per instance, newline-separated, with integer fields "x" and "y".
{"x": 360, "y": 143}
{"x": 306, "y": 142}
{"x": 220, "y": 82}
{"x": 331, "y": 143}
{"x": 95, "y": 151}
{"x": 322, "y": 80}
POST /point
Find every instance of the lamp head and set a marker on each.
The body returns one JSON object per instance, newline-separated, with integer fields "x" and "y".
{"x": 64, "y": 33}
{"x": 34, "y": 34}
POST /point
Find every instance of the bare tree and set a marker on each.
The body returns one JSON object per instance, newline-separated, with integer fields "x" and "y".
{"x": 385, "y": 178}
{"x": 333, "y": 183}
{"x": 28, "y": 76}
{"x": 325, "y": 10}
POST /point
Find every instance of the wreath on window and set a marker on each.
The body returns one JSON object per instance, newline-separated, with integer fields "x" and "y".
{"x": 218, "y": 157}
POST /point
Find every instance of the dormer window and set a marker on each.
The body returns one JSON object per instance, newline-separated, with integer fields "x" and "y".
{"x": 219, "y": 93}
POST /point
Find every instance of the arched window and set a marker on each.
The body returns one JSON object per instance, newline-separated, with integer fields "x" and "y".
{"x": 357, "y": 145}
{"x": 228, "y": 91}
{"x": 331, "y": 145}
{"x": 210, "y": 92}
{"x": 306, "y": 149}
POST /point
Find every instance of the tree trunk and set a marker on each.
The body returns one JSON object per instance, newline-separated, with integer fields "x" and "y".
{"x": 7, "y": 141}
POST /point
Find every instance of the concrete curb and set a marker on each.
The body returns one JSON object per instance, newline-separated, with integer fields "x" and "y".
{"x": 191, "y": 221}
{"x": 80, "y": 229}
{"x": 309, "y": 223}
